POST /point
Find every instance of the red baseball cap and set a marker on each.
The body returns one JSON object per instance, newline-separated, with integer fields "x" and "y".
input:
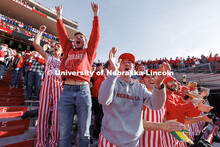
{"x": 168, "y": 79}
{"x": 127, "y": 56}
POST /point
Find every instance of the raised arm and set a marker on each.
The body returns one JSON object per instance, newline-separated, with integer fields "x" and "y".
{"x": 59, "y": 11}
{"x": 106, "y": 91}
{"x": 156, "y": 100}
{"x": 191, "y": 120}
{"x": 95, "y": 34}
{"x": 158, "y": 97}
{"x": 198, "y": 109}
{"x": 158, "y": 81}
{"x": 65, "y": 42}
{"x": 36, "y": 43}
{"x": 95, "y": 8}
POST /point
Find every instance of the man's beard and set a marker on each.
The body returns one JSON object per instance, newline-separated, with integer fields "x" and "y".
{"x": 171, "y": 89}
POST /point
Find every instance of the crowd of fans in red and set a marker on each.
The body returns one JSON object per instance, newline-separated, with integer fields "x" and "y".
{"x": 180, "y": 62}
{"x": 18, "y": 26}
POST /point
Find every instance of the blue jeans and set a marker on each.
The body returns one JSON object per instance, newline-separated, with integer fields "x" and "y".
{"x": 74, "y": 98}
{"x": 34, "y": 79}
{"x": 15, "y": 76}
{"x": 26, "y": 76}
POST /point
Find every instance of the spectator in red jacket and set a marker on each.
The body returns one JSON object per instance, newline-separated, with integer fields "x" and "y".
{"x": 176, "y": 108}
{"x": 99, "y": 68}
{"x": 16, "y": 69}
{"x": 95, "y": 104}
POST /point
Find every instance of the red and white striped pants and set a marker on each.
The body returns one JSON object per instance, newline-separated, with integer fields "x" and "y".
{"x": 152, "y": 139}
{"x": 103, "y": 142}
{"x": 196, "y": 128}
{"x": 172, "y": 141}
{"x": 49, "y": 96}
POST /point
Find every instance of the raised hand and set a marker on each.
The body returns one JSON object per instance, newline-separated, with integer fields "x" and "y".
{"x": 42, "y": 28}
{"x": 204, "y": 93}
{"x": 59, "y": 10}
{"x": 114, "y": 65}
{"x": 95, "y": 8}
{"x": 165, "y": 67}
{"x": 204, "y": 108}
{"x": 36, "y": 43}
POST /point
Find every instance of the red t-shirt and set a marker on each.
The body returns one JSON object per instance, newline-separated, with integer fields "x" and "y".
{"x": 171, "y": 61}
{"x": 176, "y": 108}
{"x": 78, "y": 60}
{"x": 96, "y": 86}
{"x": 177, "y": 61}
{"x": 95, "y": 77}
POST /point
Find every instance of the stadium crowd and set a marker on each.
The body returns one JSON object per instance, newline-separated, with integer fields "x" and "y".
{"x": 139, "y": 110}
{"x": 181, "y": 62}
{"x": 18, "y": 26}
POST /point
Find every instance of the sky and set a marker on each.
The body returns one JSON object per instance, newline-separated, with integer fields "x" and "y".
{"x": 149, "y": 29}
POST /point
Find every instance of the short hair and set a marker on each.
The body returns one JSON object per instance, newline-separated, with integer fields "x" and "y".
{"x": 99, "y": 64}
{"x": 81, "y": 34}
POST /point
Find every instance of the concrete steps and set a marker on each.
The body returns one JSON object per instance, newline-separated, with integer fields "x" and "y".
{"x": 14, "y": 132}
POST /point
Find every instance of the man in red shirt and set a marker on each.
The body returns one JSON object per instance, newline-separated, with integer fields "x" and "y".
{"x": 97, "y": 108}
{"x": 76, "y": 98}
{"x": 99, "y": 68}
{"x": 16, "y": 69}
{"x": 154, "y": 120}
{"x": 175, "y": 106}
{"x": 177, "y": 109}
